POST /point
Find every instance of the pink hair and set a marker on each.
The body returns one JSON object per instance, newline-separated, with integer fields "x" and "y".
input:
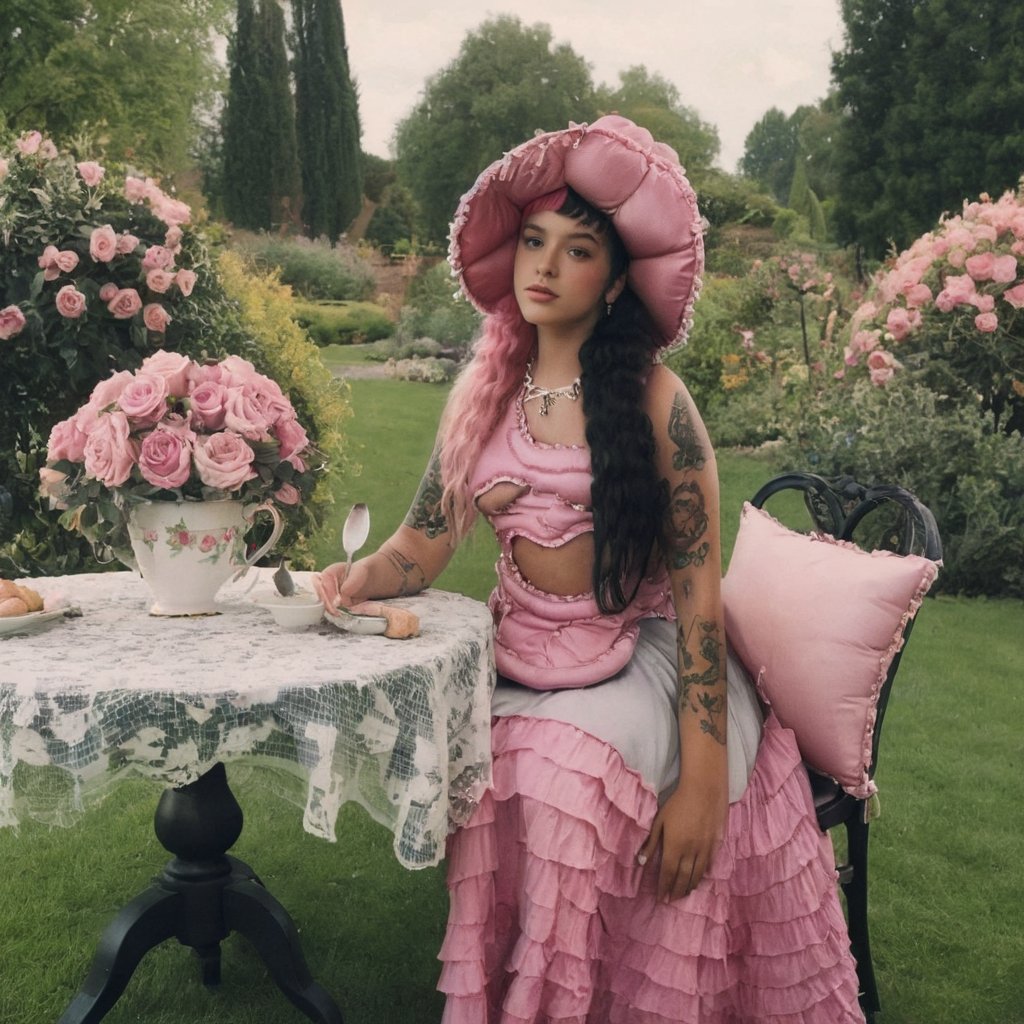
{"x": 482, "y": 391}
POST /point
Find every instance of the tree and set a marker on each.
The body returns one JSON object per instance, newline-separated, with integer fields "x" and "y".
{"x": 261, "y": 173}
{"x": 507, "y": 81}
{"x": 654, "y": 103}
{"x": 932, "y": 95}
{"x": 769, "y": 152}
{"x": 327, "y": 120}
{"x": 133, "y": 75}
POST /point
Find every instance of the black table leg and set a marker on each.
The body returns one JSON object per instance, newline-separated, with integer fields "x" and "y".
{"x": 200, "y": 898}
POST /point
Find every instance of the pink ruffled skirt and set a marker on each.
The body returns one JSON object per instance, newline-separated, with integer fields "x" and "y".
{"x": 552, "y": 922}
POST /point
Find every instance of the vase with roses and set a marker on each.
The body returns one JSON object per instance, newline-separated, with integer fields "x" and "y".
{"x": 165, "y": 466}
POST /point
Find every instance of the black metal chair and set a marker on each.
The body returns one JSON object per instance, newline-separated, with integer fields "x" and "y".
{"x": 881, "y": 517}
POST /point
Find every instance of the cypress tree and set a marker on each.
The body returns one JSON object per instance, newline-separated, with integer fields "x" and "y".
{"x": 261, "y": 177}
{"x": 327, "y": 118}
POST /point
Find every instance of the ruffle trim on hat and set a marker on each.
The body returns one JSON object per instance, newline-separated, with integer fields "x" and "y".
{"x": 552, "y": 920}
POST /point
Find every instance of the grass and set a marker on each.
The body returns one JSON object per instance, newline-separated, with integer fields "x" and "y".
{"x": 946, "y": 853}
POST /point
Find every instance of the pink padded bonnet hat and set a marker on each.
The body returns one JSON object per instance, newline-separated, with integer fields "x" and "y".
{"x": 618, "y": 168}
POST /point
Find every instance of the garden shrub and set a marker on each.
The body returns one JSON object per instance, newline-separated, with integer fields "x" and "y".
{"x": 434, "y": 308}
{"x": 343, "y": 323}
{"x": 428, "y": 370}
{"x": 314, "y": 268}
{"x": 970, "y": 475}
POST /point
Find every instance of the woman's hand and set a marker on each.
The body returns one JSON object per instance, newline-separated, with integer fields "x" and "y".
{"x": 688, "y": 826}
{"x": 340, "y": 587}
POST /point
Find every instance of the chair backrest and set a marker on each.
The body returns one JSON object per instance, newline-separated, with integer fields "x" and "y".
{"x": 878, "y": 517}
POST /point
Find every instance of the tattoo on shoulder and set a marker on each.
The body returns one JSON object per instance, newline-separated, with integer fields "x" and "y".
{"x": 689, "y": 453}
{"x": 425, "y": 514}
{"x": 701, "y": 690}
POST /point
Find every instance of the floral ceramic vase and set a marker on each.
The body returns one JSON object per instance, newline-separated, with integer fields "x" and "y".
{"x": 187, "y": 550}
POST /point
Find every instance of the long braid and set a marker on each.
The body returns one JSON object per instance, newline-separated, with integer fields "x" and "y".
{"x": 627, "y": 496}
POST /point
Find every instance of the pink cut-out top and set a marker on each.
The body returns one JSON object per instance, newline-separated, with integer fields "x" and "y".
{"x": 542, "y": 640}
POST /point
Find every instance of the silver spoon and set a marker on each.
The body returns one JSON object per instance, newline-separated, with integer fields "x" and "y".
{"x": 354, "y": 533}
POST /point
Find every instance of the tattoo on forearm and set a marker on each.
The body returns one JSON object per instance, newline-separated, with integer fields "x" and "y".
{"x": 425, "y": 514}
{"x": 412, "y": 578}
{"x": 700, "y": 685}
{"x": 689, "y": 454}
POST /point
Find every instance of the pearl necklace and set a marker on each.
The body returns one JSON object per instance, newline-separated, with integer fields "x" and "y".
{"x": 548, "y": 395}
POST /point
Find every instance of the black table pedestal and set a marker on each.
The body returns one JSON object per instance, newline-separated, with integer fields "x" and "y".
{"x": 200, "y": 898}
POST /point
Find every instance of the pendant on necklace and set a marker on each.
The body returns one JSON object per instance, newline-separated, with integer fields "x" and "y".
{"x": 548, "y": 395}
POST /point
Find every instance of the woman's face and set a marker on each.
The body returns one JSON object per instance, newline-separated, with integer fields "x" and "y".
{"x": 562, "y": 271}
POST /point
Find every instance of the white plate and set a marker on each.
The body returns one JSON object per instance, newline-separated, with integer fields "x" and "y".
{"x": 29, "y": 622}
{"x": 365, "y": 625}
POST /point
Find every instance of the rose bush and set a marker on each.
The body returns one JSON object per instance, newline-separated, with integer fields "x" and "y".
{"x": 100, "y": 268}
{"x": 947, "y": 311}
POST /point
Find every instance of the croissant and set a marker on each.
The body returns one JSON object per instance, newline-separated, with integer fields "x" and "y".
{"x": 16, "y": 600}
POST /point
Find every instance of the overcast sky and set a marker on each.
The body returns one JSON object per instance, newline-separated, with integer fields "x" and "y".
{"x": 730, "y": 59}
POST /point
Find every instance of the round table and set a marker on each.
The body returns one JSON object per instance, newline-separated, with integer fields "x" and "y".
{"x": 400, "y": 726}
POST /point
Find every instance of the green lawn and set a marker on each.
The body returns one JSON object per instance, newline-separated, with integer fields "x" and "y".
{"x": 946, "y": 853}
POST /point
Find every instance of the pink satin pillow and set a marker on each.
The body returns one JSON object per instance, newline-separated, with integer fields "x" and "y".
{"x": 817, "y": 622}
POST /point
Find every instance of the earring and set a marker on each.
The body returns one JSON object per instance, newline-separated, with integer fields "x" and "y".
{"x": 608, "y": 309}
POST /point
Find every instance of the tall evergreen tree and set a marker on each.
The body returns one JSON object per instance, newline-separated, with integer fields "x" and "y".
{"x": 261, "y": 176}
{"x": 932, "y": 93}
{"x": 327, "y": 118}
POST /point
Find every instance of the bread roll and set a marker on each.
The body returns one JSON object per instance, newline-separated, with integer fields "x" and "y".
{"x": 10, "y": 606}
{"x": 402, "y": 624}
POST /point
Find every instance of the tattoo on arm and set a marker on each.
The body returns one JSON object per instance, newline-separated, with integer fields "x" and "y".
{"x": 425, "y": 514}
{"x": 689, "y": 454}
{"x": 412, "y": 578}
{"x": 700, "y": 687}
{"x": 687, "y": 515}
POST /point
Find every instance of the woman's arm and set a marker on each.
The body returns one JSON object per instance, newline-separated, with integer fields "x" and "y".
{"x": 409, "y": 560}
{"x": 689, "y": 824}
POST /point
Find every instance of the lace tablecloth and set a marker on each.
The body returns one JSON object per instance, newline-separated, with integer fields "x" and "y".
{"x": 400, "y": 726}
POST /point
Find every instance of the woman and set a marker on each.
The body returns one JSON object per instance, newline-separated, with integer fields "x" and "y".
{"x": 621, "y": 867}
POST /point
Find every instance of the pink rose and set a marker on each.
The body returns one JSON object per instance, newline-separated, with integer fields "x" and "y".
{"x": 898, "y": 323}
{"x": 203, "y": 373}
{"x": 110, "y": 451}
{"x": 108, "y": 391}
{"x": 134, "y": 189}
{"x": 108, "y": 291}
{"x": 983, "y": 303}
{"x": 144, "y": 398}
{"x": 103, "y": 244}
{"x": 882, "y": 366}
{"x": 1004, "y": 269}
{"x": 126, "y": 243}
{"x": 3, "y": 168}
{"x": 165, "y": 458}
{"x": 288, "y": 494}
{"x": 29, "y": 143}
{"x": 208, "y": 543}
{"x": 155, "y": 317}
{"x": 159, "y": 280}
{"x": 242, "y": 413}
{"x": 125, "y": 303}
{"x": 47, "y": 149}
{"x": 224, "y": 461}
{"x": 171, "y": 211}
{"x": 55, "y": 262}
{"x": 173, "y": 237}
{"x": 158, "y": 257}
{"x": 12, "y": 321}
{"x": 291, "y": 436}
{"x": 1014, "y": 296}
{"x": 70, "y": 302}
{"x": 207, "y": 402}
{"x": 67, "y": 441}
{"x": 980, "y": 267}
{"x": 237, "y": 372}
{"x": 918, "y": 295}
{"x": 987, "y": 323}
{"x": 53, "y": 485}
{"x": 173, "y": 367}
{"x": 186, "y": 281}
{"x": 91, "y": 172}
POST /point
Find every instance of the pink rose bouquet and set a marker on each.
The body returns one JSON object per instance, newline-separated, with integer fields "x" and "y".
{"x": 175, "y": 429}
{"x": 948, "y": 310}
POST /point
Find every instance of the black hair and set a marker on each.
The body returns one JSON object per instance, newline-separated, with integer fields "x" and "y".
{"x": 628, "y": 497}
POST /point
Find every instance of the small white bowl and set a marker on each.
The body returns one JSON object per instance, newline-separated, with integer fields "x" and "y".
{"x": 298, "y": 611}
